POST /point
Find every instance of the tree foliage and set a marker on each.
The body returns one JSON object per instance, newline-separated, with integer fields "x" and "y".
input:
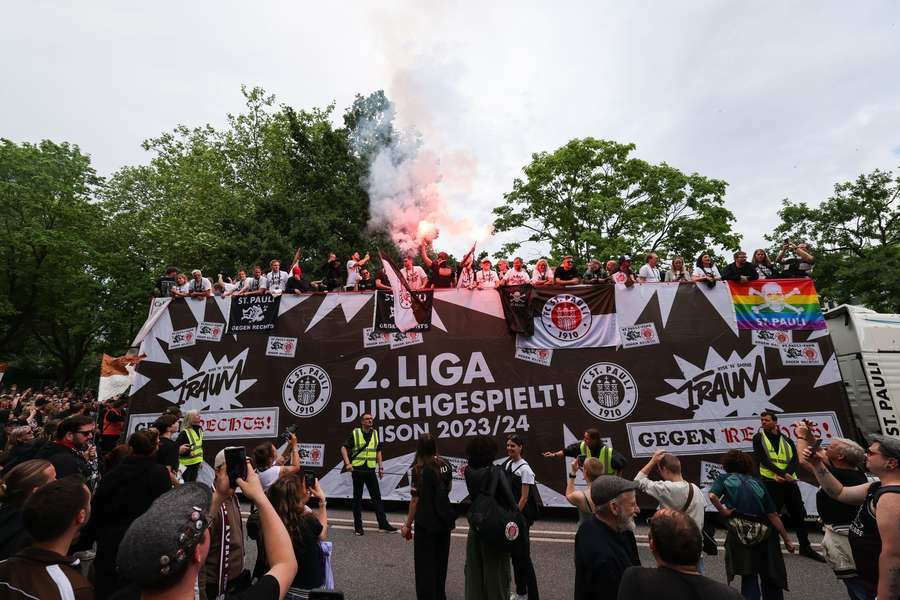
{"x": 855, "y": 237}
{"x": 591, "y": 198}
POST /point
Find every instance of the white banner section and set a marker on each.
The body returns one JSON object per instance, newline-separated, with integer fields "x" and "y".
{"x": 225, "y": 424}
{"x": 716, "y": 436}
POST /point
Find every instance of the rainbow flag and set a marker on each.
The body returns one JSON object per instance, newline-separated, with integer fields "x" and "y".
{"x": 777, "y": 304}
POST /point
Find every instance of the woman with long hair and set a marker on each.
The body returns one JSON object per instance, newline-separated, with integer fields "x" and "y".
{"x": 19, "y": 447}
{"x": 543, "y": 274}
{"x": 678, "y": 272}
{"x": 430, "y": 510}
{"x": 15, "y": 488}
{"x": 705, "y": 270}
{"x": 523, "y": 475}
{"x": 307, "y": 527}
{"x": 761, "y": 263}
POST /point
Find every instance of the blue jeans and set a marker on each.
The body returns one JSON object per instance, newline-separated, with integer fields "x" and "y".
{"x": 857, "y": 589}
{"x": 750, "y": 588}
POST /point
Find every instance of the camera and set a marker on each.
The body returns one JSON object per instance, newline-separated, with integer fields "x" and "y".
{"x": 285, "y": 436}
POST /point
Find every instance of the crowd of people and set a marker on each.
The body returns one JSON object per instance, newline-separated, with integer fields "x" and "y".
{"x": 793, "y": 260}
{"x": 153, "y": 532}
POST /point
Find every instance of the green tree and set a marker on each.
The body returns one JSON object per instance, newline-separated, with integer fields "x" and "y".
{"x": 591, "y": 198}
{"x": 49, "y": 285}
{"x": 855, "y": 238}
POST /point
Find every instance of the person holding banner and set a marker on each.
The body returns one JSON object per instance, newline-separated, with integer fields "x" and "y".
{"x": 591, "y": 446}
{"x": 190, "y": 445}
{"x": 362, "y": 454}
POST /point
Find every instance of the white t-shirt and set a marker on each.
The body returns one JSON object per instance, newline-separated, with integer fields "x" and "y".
{"x": 181, "y": 289}
{"x": 269, "y": 476}
{"x": 523, "y": 470}
{"x": 466, "y": 278}
{"x": 702, "y": 272}
{"x": 649, "y": 274}
{"x": 276, "y": 281}
{"x": 415, "y": 277}
{"x": 547, "y": 275}
{"x": 486, "y": 279}
{"x": 198, "y": 286}
{"x": 673, "y": 494}
{"x": 251, "y": 284}
{"x": 514, "y": 277}
{"x": 352, "y": 273}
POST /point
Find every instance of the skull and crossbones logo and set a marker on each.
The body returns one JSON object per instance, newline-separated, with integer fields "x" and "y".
{"x": 774, "y": 299}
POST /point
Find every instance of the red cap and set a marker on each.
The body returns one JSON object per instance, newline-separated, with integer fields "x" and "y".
{"x": 297, "y": 270}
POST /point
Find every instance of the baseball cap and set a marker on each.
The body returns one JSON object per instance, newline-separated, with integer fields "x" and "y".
{"x": 890, "y": 446}
{"x": 608, "y": 487}
{"x": 624, "y": 257}
{"x": 296, "y": 270}
{"x": 159, "y": 543}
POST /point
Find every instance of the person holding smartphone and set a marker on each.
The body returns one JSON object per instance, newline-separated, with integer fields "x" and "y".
{"x": 223, "y": 571}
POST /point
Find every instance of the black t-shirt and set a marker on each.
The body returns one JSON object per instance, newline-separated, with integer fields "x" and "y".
{"x": 795, "y": 267}
{"x": 734, "y": 273}
{"x": 300, "y": 285}
{"x": 438, "y": 280}
{"x": 830, "y": 510}
{"x": 164, "y": 286}
{"x": 565, "y": 274}
{"x": 366, "y": 284}
{"x": 641, "y": 582}
{"x": 167, "y": 455}
{"x": 310, "y": 563}
{"x": 426, "y": 486}
{"x": 266, "y": 588}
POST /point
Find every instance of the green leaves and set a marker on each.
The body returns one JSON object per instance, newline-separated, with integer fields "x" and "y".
{"x": 591, "y": 198}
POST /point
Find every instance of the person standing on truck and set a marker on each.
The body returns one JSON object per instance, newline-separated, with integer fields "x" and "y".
{"x": 874, "y": 535}
{"x": 591, "y": 446}
{"x": 362, "y": 453}
{"x": 777, "y": 458}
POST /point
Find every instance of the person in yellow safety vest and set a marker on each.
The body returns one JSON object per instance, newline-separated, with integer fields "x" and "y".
{"x": 362, "y": 454}
{"x": 190, "y": 445}
{"x": 777, "y": 458}
{"x": 591, "y": 446}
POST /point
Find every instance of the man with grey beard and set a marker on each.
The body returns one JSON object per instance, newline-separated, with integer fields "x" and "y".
{"x": 604, "y": 545}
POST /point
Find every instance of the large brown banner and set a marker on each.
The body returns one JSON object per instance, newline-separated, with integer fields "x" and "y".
{"x": 683, "y": 378}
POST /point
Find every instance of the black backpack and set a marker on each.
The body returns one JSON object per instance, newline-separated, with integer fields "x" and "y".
{"x": 492, "y": 519}
{"x": 534, "y": 503}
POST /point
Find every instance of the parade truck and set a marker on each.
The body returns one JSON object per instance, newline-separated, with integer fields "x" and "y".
{"x": 867, "y": 345}
{"x": 682, "y": 367}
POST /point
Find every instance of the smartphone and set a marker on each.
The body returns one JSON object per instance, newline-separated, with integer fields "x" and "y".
{"x": 817, "y": 445}
{"x": 235, "y": 464}
{"x": 310, "y": 478}
{"x": 581, "y": 459}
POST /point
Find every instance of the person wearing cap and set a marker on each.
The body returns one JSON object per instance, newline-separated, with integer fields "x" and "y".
{"x": 223, "y": 571}
{"x": 603, "y": 548}
{"x": 565, "y": 273}
{"x": 649, "y": 272}
{"x": 53, "y": 517}
{"x": 486, "y": 278}
{"x": 441, "y": 271}
{"x": 166, "y": 548}
{"x": 777, "y": 458}
{"x": 624, "y": 275}
{"x": 296, "y": 284}
{"x": 200, "y": 286}
{"x": 874, "y": 534}
{"x": 675, "y": 544}
{"x": 594, "y": 274}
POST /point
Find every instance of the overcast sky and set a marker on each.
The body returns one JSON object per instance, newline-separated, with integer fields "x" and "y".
{"x": 778, "y": 99}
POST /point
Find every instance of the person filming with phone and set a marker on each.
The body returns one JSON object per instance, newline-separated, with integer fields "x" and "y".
{"x": 223, "y": 571}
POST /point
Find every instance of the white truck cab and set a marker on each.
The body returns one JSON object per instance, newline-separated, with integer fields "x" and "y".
{"x": 867, "y": 345}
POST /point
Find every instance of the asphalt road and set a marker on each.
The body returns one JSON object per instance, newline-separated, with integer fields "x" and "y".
{"x": 380, "y": 565}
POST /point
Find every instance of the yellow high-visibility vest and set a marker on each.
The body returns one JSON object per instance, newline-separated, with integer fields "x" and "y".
{"x": 780, "y": 459}
{"x": 364, "y": 454}
{"x": 605, "y": 457}
{"x": 195, "y": 439}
